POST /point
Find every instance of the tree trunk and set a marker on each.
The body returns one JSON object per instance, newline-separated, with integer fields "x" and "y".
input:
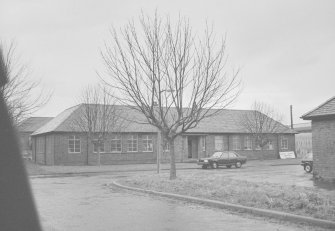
{"x": 173, "y": 172}
{"x": 99, "y": 161}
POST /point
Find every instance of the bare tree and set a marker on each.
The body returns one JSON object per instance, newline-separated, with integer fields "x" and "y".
{"x": 20, "y": 92}
{"x": 172, "y": 76}
{"x": 98, "y": 118}
{"x": 261, "y": 122}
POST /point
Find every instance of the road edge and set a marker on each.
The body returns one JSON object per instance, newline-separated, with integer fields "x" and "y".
{"x": 218, "y": 204}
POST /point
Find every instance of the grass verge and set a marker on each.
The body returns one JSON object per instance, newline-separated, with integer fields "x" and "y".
{"x": 34, "y": 169}
{"x": 292, "y": 199}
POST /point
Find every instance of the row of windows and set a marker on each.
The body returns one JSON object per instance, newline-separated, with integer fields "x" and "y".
{"x": 115, "y": 144}
{"x": 247, "y": 143}
{"x": 147, "y": 142}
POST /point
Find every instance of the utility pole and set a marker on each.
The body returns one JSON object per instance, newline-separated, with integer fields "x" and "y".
{"x": 159, "y": 148}
{"x": 291, "y": 116}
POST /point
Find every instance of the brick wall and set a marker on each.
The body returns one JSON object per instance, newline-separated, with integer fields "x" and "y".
{"x": 39, "y": 150}
{"x": 54, "y": 150}
{"x": 323, "y": 143}
{"x": 61, "y": 150}
{"x": 250, "y": 154}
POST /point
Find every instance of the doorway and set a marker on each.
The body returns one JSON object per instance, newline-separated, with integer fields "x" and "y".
{"x": 192, "y": 147}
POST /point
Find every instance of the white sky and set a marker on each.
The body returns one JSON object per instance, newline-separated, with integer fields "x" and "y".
{"x": 285, "y": 49}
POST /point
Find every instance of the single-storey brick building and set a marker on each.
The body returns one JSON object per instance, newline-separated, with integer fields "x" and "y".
{"x": 323, "y": 139}
{"x": 58, "y": 143}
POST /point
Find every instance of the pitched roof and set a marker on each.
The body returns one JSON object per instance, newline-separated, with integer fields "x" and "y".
{"x": 58, "y": 122}
{"x": 225, "y": 121}
{"x": 325, "y": 109}
{"x": 33, "y": 123}
{"x": 65, "y": 121}
{"x": 228, "y": 121}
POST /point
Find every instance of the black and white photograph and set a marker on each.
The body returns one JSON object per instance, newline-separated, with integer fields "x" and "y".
{"x": 167, "y": 115}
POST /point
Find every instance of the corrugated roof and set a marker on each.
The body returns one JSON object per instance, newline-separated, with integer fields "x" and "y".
{"x": 325, "y": 109}
{"x": 225, "y": 121}
{"x": 33, "y": 123}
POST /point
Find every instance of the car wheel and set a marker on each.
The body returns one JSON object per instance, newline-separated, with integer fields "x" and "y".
{"x": 204, "y": 166}
{"x": 238, "y": 164}
{"x": 308, "y": 168}
{"x": 214, "y": 165}
{"x": 228, "y": 166}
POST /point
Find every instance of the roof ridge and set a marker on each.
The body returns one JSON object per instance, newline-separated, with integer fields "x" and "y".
{"x": 131, "y": 106}
{"x": 304, "y": 115}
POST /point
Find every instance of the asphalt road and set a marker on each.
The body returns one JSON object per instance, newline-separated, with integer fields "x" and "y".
{"x": 86, "y": 203}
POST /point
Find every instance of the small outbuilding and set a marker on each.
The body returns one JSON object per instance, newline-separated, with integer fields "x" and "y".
{"x": 323, "y": 139}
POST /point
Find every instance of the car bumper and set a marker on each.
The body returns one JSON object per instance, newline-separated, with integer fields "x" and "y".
{"x": 203, "y": 163}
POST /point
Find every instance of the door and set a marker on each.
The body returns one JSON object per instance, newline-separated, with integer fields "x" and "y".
{"x": 189, "y": 148}
{"x": 232, "y": 158}
{"x": 224, "y": 158}
{"x": 192, "y": 144}
{"x": 195, "y": 148}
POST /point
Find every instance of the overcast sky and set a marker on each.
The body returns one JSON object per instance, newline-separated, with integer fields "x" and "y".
{"x": 285, "y": 49}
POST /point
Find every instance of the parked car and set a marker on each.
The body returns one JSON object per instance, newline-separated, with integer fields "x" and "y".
{"x": 307, "y": 162}
{"x": 227, "y": 159}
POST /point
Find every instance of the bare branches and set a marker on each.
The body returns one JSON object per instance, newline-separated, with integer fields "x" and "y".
{"x": 98, "y": 116}
{"x": 19, "y": 92}
{"x": 172, "y": 76}
{"x": 168, "y": 66}
{"x": 260, "y": 122}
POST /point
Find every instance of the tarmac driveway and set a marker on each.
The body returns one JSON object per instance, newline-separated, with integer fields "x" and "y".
{"x": 87, "y": 203}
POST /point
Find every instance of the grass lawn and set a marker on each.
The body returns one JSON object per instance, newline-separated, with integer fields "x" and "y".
{"x": 34, "y": 169}
{"x": 292, "y": 199}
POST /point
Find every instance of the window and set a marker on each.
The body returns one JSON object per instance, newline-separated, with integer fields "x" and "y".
{"x": 218, "y": 143}
{"x": 203, "y": 143}
{"x": 217, "y": 155}
{"x": 116, "y": 144}
{"x": 257, "y": 145}
{"x": 147, "y": 143}
{"x": 269, "y": 145}
{"x": 132, "y": 143}
{"x": 247, "y": 143}
{"x": 232, "y": 155}
{"x": 74, "y": 144}
{"x": 284, "y": 143}
{"x": 225, "y": 155}
{"x": 96, "y": 145}
{"x": 236, "y": 143}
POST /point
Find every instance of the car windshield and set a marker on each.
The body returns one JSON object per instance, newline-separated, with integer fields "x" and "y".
{"x": 217, "y": 154}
